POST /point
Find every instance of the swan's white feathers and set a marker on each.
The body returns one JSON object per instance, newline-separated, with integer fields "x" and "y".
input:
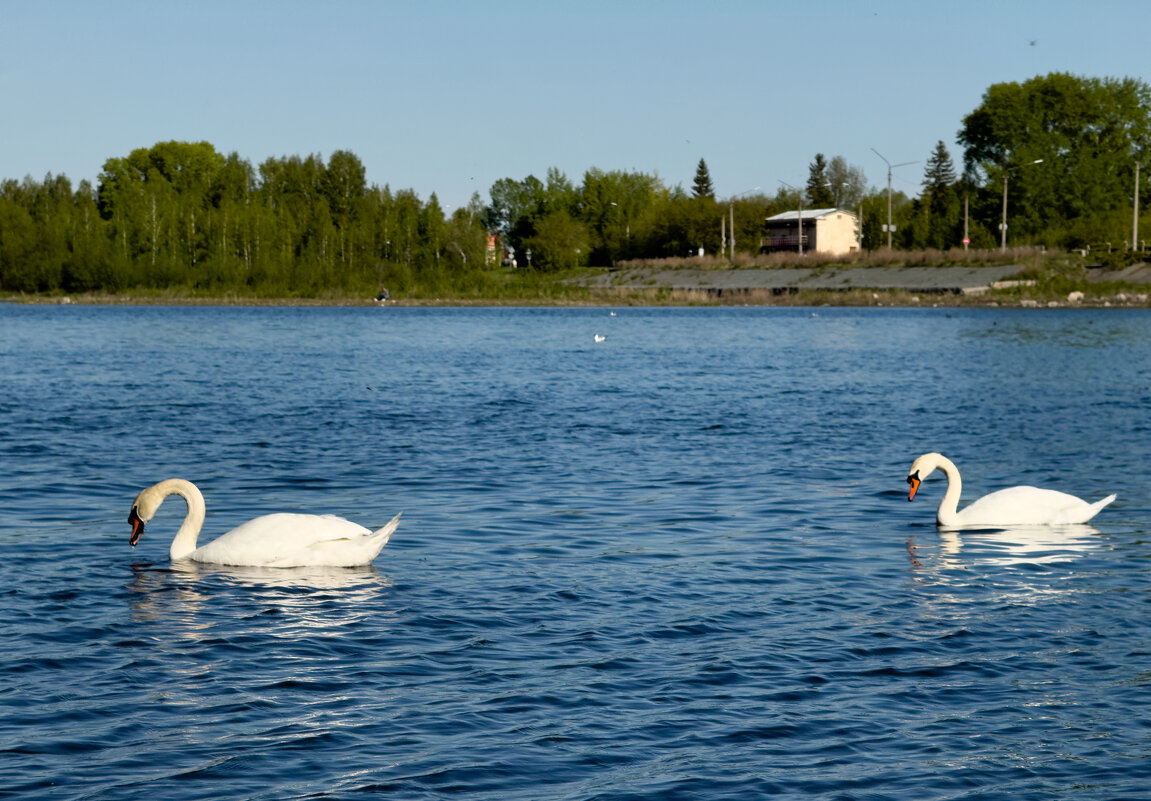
{"x": 291, "y": 540}
{"x": 1014, "y": 506}
{"x": 1030, "y": 506}
{"x": 275, "y": 540}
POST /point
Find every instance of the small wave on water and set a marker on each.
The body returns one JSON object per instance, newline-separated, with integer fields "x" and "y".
{"x": 679, "y": 567}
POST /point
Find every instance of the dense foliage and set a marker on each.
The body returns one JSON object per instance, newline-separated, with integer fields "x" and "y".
{"x": 1068, "y": 146}
{"x": 182, "y": 215}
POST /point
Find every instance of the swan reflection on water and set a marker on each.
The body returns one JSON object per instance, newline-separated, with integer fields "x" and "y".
{"x": 344, "y": 579}
{"x": 1013, "y": 545}
{"x": 197, "y": 596}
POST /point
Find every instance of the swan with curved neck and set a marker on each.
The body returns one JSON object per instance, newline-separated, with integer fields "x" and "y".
{"x": 1014, "y": 506}
{"x": 276, "y": 540}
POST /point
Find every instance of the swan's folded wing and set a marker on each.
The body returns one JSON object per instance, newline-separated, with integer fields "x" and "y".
{"x": 349, "y": 551}
{"x": 280, "y": 540}
{"x": 1029, "y": 506}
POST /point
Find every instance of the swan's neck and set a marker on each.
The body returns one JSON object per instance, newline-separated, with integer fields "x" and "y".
{"x": 949, "y": 507}
{"x": 185, "y": 540}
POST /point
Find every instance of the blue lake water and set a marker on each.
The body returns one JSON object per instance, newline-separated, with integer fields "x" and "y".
{"x": 675, "y": 564}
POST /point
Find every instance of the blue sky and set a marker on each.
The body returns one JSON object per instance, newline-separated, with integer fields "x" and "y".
{"x": 448, "y": 97}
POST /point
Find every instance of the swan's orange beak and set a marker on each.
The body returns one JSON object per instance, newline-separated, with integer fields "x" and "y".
{"x": 137, "y": 527}
{"x": 913, "y": 480}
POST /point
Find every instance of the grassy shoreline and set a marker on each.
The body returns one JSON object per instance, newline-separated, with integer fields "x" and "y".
{"x": 1052, "y": 280}
{"x": 1123, "y": 297}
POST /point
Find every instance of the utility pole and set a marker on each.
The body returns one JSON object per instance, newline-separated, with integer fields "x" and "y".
{"x": 890, "y": 167}
{"x": 1135, "y": 224}
{"x": 859, "y": 223}
{"x": 799, "y": 219}
{"x": 966, "y": 235}
{"x": 1003, "y": 223}
{"x": 731, "y": 211}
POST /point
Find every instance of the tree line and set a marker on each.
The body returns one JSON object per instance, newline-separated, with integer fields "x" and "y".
{"x": 182, "y": 214}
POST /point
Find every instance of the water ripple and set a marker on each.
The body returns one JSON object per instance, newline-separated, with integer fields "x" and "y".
{"x": 678, "y": 568}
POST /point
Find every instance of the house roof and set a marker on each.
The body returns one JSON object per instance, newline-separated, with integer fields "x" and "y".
{"x": 808, "y": 214}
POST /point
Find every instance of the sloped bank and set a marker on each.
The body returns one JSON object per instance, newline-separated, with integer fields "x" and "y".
{"x": 956, "y": 280}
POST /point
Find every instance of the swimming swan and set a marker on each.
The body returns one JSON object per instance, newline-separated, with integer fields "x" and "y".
{"x": 1013, "y": 506}
{"x": 279, "y": 540}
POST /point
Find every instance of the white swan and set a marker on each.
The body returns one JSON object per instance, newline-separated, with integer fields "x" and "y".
{"x": 1014, "y": 506}
{"x": 278, "y": 540}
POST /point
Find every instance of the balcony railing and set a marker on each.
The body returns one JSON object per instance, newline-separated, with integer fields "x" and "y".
{"x": 781, "y": 242}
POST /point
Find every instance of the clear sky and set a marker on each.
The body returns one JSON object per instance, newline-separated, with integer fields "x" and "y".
{"x": 448, "y": 97}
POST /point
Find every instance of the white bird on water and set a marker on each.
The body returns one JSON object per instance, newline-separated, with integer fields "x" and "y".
{"x": 600, "y": 337}
{"x": 278, "y": 540}
{"x": 1014, "y": 506}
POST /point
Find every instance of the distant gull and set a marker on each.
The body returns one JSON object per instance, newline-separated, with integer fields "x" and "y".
{"x": 600, "y": 337}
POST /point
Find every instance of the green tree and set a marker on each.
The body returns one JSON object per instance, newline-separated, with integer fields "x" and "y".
{"x": 559, "y": 243}
{"x": 939, "y": 200}
{"x": 430, "y": 228}
{"x": 672, "y": 230}
{"x": 18, "y": 235}
{"x": 847, "y": 183}
{"x": 750, "y": 212}
{"x": 873, "y": 218}
{"x": 465, "y": 236}
{"x": 702, "y": 187}
{"x": 87, "y": 267}
{"x": 616, "y": 208}
{"x": 406, "y": 243}
{"x": 517, "y": 205}
{"x": 233, "y": 235}
{"x": 1086, "y": 131}
{"x": 560, "y": 194}
{"x": 819, "y": 190}
{"x": 343, "y": 184}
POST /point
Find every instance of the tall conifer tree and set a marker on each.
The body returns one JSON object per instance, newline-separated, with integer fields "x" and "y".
{"x": 819, "y": 193}
{"x": 940, "y": 197}
{"x": 702, "y": 186}
{"x": 940, "y": 172}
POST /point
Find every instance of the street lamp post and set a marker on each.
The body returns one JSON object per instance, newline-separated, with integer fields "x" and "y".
{"x": 1003, "y": 224}
{"x": 731, "y": 213}
{"x": 890, "y": 167}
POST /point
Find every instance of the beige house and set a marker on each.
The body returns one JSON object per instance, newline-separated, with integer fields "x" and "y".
{"x": 830, "y": 231}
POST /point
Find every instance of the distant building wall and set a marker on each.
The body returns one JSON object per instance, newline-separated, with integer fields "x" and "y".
{"x": 830, "y": 231}
{"x": 835, "y": 233}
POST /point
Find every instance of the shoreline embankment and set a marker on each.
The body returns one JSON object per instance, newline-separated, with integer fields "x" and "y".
{"x": 1002, "y": 285}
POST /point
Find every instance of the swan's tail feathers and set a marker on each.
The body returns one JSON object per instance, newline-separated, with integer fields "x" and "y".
{"x": 1094, "y": 509}
{"x": 381, "y": 536}
{"x": 1100, "y": 504}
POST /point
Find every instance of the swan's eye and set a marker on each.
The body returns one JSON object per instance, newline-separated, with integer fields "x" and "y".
{"x": 913, "y": 478}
